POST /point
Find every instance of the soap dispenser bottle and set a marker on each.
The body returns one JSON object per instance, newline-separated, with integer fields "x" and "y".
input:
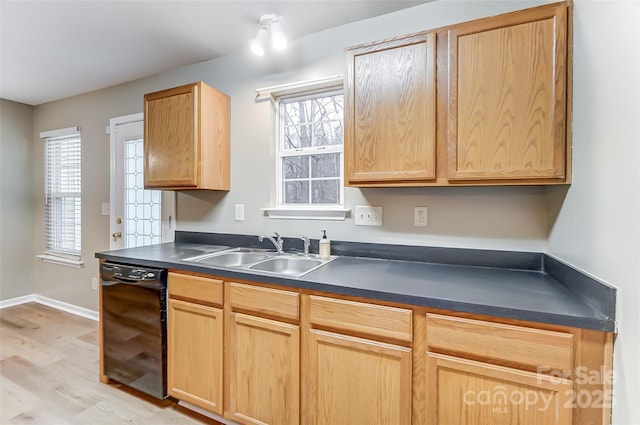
{"x": 325, "y": 246}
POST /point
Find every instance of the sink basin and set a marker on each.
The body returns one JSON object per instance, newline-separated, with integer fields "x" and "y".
{"x": 287, "y": 265}
{"x": 233, "y": 259}
{"x": 261, "y": 260}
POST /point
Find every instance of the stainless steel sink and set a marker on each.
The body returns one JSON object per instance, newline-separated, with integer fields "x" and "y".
{"x": 292, "y": 266}
{"x": 261, "y": 260}
{"x": 233, "y": 259}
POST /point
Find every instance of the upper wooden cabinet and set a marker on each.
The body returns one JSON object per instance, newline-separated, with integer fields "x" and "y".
{"x": 389, "y": 112}
{"x": 485, "y": 102}
{"x": 187, "y": 138}
{"x": 507, "y": 96}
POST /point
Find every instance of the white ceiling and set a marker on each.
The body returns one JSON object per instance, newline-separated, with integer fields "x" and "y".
{"x": 54, "y": 49}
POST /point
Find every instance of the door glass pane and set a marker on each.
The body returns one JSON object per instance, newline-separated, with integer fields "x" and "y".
{"x": 142, "y": 207}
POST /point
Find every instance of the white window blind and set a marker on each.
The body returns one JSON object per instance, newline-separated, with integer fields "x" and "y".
{"x": 63, "y": 194}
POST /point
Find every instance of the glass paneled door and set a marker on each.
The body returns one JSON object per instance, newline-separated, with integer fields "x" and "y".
{"x": 138, "y": 217}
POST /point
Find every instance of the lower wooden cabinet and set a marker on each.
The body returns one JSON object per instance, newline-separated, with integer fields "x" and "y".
{"x": 461, "y": 391}
{"x": 264, "y": 371}
{"x": 352, "y": 377}
{"x": 357, "y": 381}
{"x": 194, "y": 354}
{"x": 262, "y": 355}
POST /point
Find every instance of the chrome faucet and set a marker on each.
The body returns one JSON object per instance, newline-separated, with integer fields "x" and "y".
{"x": 278, "y": 243}
{"x": 307, "y": 242}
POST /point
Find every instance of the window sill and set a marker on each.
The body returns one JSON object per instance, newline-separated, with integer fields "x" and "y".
{"x": 307, "y": 213}
{"x": 60, "y": 260}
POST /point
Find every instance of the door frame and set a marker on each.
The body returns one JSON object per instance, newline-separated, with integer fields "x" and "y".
{"x": 168, "y": 198}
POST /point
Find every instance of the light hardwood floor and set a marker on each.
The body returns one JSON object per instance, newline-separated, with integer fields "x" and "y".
{"x": 49, "y": 375}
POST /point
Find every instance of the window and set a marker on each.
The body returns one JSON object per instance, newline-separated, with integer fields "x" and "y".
{"x": 310, "y": 149}
{"x": 63, "y": 196}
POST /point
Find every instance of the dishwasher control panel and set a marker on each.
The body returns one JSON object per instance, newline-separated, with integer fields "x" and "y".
{"x": 131, "y": 272}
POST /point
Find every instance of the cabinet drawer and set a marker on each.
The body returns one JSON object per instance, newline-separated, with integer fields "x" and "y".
{"x": 372, "y": 319}
{"x": 268, "y": 301}
{"x": 195, "y": 288}
{"x": 496, "y": 341}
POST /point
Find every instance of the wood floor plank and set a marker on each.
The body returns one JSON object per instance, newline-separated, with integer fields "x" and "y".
{"x": 55, "y": 393}
{"x": 15, "y": 400}
{"x": 49, "y": 375}
{"x": 16, "y": 343}
{"x": 39, "y": 415}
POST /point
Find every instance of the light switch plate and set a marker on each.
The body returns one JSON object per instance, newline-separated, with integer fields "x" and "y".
{"x": 368, "y": 216}
{"x": 239, "y": 212}
{"x": 106, "y": 208}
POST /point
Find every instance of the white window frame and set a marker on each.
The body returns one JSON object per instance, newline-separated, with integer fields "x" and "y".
{"x": 53, "y": 254}
{"x": 279, "y": 94}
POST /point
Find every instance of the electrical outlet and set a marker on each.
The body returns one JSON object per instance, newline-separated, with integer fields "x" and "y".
{"x": 420, "y": 216}
{"x": 368, "y": 216}
{"x": 239, "y": 212}
{"x": 94, "y": 283}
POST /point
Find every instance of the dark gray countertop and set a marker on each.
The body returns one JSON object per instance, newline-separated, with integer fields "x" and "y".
{"x": 531, "y": 295}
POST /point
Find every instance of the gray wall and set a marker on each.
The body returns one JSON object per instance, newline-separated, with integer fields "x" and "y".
{"x": 597, "y": 227}
{"x": 592, "y": 225}
{"x": 16, "y": 200}
{"x": 501, "y": 218}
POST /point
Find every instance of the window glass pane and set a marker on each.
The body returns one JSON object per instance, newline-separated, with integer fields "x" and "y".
{"x": 328, "y": 133}
{"x": 325, "y": 191}
{"x": 329, "y": 108}
{"x": 296, "y": 137}
{"x": 327, "y": 165}
{"x": 292, "y": 113}
{"x": 296, "y": 192}
{"x": 299, "y": 111}
{"x": 295, "y": 167}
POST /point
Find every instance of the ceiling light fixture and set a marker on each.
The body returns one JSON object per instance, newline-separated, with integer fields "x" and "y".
{"x": 269, "y": 24}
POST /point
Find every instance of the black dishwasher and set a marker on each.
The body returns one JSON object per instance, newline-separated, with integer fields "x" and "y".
{"x": 134, "y": 327}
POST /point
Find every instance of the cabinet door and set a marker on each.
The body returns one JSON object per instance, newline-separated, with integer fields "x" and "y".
{"x": 507, "y": 97}
{"x": 194, "y": 354}
{"x": 357, "y": 381}
{"x": 264, "y": 371}
{"x": 171, "y": 137}
{"x": 390, "y": 112}
{"x": 461, "y": 391}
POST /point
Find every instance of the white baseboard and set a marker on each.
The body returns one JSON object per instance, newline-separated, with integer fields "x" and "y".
{"x": 50, "y": 302}
{"x": 17, "y": 301}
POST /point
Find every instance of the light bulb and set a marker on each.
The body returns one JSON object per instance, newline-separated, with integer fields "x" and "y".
{"x": 278, "y": 39}
{"x": 258, "y": 43}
